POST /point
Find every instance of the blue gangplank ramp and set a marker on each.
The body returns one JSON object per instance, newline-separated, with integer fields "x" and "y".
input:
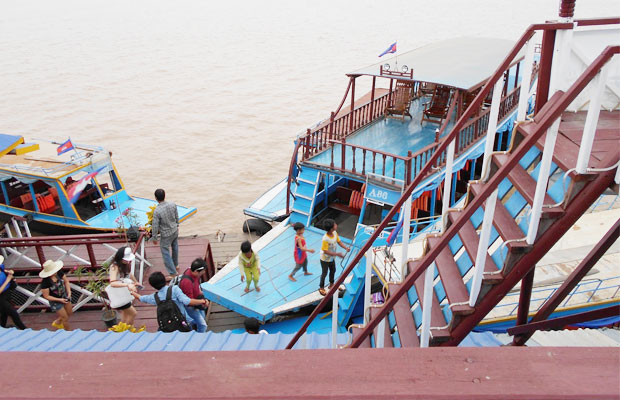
{"x": 276, "y": 289}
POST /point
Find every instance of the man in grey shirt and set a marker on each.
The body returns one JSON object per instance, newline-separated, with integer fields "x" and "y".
{"x": 166, "y": 224}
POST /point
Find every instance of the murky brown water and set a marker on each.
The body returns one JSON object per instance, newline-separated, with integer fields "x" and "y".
{"x": 205, "y": 99}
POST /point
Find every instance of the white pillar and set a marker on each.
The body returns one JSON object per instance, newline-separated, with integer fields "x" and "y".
{"x": 447, "y": 185}
{"x": 589, "y": 128}
{"x": 483, "y": 244}
{"x": 380, "y": 338}
{"x": 492, "y": 127}
{"x": 561, "y": 52}
{"x": 367, "y": 286}
{"x": 405, "y": 240}
{"x": 543, "y": 178}
{"x": 427, "y": 305}
{"x": 335, "y": 320}
{"x": 526, "y": 77}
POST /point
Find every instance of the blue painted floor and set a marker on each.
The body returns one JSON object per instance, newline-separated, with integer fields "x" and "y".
{"x": 388, "y": 135}
{"x": 276, "y": 289}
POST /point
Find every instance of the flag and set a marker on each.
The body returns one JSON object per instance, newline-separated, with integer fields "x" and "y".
{"x": 392, "y": 238}
{"x": 65, "y": 147}
{"x": 391, "y": 49}
{"x": 77, "y": 188}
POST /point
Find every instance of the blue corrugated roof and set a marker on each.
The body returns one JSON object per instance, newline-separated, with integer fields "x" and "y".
{"x": 13, "y": 339}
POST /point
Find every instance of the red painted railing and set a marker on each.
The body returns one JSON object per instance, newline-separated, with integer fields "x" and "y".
{"x": 475, "y": 105}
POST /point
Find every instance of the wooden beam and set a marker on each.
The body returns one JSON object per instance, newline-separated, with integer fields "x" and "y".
{"x": 433, "y": 373}
{"x": 561, "y": 322}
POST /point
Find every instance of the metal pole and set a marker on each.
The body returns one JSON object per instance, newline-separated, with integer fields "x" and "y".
{"x": 380, "y": 338}
{"x": 483, "y": 244}
{"x": 543, "y": 178}
{"x": 488, "y": 147}
{"x": 335, "y": 320}
{"x": 525, "y": 80}
{"x": 589, "y": 128}
{"x": 447, "y": 185}
{"x": 405, "y": 239}
{"x": 427, "y": 305}
{"x": 367, "y": 278}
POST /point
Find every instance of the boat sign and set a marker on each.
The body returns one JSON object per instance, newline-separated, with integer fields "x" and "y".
{"x": 382, "y": 195}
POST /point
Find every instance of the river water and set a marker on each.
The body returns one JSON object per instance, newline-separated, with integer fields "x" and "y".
{"x": 204, "y": 98}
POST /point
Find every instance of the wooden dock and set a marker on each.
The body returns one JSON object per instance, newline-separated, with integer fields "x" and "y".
{"x": 190, "y": 248}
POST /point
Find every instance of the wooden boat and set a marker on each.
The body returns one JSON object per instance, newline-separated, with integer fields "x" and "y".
{"x": 35, "y": 181}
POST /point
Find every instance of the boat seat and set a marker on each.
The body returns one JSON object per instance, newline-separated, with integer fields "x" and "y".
{"x": 435, "y": 111}
{"x": 401, "y": 101}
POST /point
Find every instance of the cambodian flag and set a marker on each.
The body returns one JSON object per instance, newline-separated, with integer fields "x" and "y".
{"x": 391, "y": 49}
{"x": 399, "y": 225}
{"x": 77, "y": 188}
{"x": 65, "y": 147}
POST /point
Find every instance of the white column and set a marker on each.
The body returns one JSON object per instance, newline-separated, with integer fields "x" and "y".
{"x": 447, "y": 185}
{"x": 335, "y": 320}
{"x": 405, "y": 240}
{"x": 18, "y": 231}
{"x": 380, "y": 338}
{"x": 543, "y": 178}
{"x": 589, "y": 128}
{"x": 427, "y": 305}
{"x": 483, "y": 244}
{"x": 367, "y": 278}
{"x": 561, "y": 52}
{"x": 526, "y": 77}
{"x": 488, "y": 148}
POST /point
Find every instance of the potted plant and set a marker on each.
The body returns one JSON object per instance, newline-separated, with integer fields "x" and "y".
{"x": 133, "y": 231}
{"x": 97, "y": 282}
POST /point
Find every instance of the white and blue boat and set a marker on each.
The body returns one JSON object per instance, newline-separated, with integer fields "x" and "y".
{"x": 36, "y": 178}
{"x": 352, "y": 168}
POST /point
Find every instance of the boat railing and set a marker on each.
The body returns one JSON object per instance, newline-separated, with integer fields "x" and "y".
{"x": 587, "y": 292}
{"x": 562, "y": 101}
{"x": 338, "y": 127}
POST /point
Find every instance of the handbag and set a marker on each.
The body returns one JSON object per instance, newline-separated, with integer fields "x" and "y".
{"x": 118, "y": 296}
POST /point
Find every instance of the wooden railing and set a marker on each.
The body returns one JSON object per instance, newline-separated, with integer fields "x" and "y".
{"x": 317, "y": 140}
{"x": 474, "y": 105}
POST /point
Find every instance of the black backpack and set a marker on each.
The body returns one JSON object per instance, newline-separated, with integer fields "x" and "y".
{"x": 169, "y": 316}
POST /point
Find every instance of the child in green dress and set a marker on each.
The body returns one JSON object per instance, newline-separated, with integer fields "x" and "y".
{"x": 249, "y": 266}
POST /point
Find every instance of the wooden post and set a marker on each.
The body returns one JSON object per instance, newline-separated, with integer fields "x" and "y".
{"x": 342, "y": 161}
{"x": 91, "y": 255}
{"x": 352, "y": 104}
{"x": 544, "y": 72}
{"x": 372, "y": 98}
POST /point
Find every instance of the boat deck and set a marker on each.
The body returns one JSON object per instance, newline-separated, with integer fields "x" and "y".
{"x": 278, "y": 294}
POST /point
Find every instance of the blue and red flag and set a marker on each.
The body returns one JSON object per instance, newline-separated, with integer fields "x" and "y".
{"x": 74, "y": 191}
{"x": 399, "y": 225}
{"x": 65, "y": 147}
{"x": 391, "y": 49}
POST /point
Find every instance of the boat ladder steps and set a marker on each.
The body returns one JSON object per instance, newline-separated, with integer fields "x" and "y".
{"x": 302, "y": 196}
{"x": 300, "y": 212}
{"x": 306, "y": 181}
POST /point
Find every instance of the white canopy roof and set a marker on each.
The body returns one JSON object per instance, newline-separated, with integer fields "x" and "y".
{"x": 462, "y": 63}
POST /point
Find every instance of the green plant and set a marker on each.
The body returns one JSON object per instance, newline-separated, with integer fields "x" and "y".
{"x": 97, "y": 280}
{"x": 132, "y": 219}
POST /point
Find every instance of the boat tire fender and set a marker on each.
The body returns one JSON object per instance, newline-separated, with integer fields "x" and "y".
{"x": 256, "y": 225}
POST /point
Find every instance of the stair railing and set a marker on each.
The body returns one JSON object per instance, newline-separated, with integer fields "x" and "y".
{"x": 290, "y": 178}
{"x": 557, "y": 106}
{"x": 475, "y": 104}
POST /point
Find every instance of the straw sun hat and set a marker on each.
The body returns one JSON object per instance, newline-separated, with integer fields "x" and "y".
{"x": 1, "y": 260}
{"x": 50, "y": 268}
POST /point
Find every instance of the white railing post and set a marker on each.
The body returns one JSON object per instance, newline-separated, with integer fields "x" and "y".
{"x": 561, "y": 51}
{"x": 526, "y": 77}
{"x": 492, "y": 127}
{"x": 543, "y": 179}
{"x": 335, "y": 320}
{"x": 427, "y": 305}
{"x": 483, "y": 244}
{"x": 447, "y": 185}
{"x": 367, "y": 279}
{"x": 405, "y": 240}
{"x": 18, "y": 231}
{"x": 380, "y": 338}
{"x": 589, "y": 128}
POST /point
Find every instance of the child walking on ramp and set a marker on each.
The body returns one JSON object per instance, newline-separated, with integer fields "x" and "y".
{"x": 330, "y": 244}
{"x": 301, "y": 258}
{"x": 249, "y": 265}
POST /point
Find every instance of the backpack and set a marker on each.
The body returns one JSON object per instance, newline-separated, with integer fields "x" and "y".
{"x": 169, "y": 317}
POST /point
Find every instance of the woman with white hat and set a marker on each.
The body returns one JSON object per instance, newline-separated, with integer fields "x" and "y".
{"x": 120, "y": 275}
{"x": 6, "y": 308}
{"x": 56, "y": 289}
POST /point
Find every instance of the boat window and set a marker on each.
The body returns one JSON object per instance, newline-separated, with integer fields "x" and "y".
{"x": 108, "y": 183}
{"x": 19, "y": 195}
{"x": 89, "y": 202}
{"x": 374, "y": 213}
{"x": 46, "y": 195}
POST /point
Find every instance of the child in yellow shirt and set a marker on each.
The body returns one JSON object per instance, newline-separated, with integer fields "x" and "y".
{"x": 249, "y": 265}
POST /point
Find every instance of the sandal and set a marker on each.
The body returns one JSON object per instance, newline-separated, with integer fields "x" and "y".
{"x": 291, "y": 278}
{"x": 247, "y": 290}
{"x": 322, "y": 292}
{"x": 58, "y": 325}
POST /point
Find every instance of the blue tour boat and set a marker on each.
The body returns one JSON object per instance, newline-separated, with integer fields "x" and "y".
{"x": 36, "y": 178}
